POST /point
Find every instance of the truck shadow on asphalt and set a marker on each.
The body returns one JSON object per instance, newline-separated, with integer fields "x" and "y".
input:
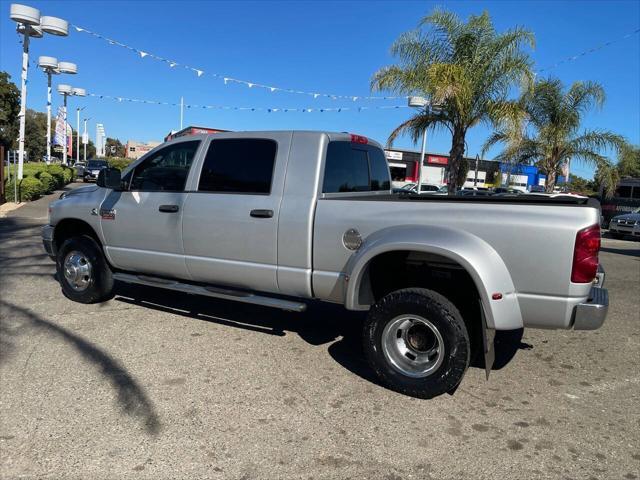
{"x": 322, "y": 323}
{"x": 631, "y": 252}
{"x": 131, "y": 396}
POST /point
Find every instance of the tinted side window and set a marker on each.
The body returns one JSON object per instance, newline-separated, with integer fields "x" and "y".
{"x": 238, "y": 166}
{"x": 346, "y": 169}
{"x": 623, "y": 191}
{"x": 166, "y": 170}
{"x": 379, "y": 169}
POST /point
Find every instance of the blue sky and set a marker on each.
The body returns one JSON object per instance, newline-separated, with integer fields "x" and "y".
{"x": 332, "y": 47}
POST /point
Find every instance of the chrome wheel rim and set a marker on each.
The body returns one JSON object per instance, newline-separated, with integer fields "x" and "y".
{"x": 77, "y": 271}
{"x": 413, "y": 345}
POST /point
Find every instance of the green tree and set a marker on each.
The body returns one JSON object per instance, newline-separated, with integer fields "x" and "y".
{"x": 9, "y": 111}
{"x": 552, "y": 137}
{"x": 466, "y": 69}
{"x": 91, "y": 150}
{"x": 606, "y": 178}
{"x": 119, "y": 148}
{"x": 35, "y": 135}
{"x": 629, "y": 161}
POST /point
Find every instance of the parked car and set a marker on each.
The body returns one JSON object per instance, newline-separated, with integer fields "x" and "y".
{"x": 281, "y": 218}
{"x": 425, "y": 188}
{"x": 627, "y": 224}
{"x": 92, "y": 169}
{"x": 79, "y": 166}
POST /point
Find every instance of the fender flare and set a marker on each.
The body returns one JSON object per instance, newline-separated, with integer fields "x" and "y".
{"x": 476, "y": 256}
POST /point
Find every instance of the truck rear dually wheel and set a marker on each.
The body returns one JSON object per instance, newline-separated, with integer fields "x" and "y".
{"x": 83, "y": 272}
{"x": 417, "y": 342}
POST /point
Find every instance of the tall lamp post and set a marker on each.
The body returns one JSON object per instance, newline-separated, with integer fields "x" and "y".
{"x": 31, "y": 25}
{"x": 65, "y": 91}
{"x": 420, "y": 103}
{"x": 85, "y": 138}
{"x": 51, "y": 66}
{"x": 78, "y": 110}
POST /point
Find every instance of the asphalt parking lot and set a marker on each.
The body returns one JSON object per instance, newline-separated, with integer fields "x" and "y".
{"x": 162, "y": 386}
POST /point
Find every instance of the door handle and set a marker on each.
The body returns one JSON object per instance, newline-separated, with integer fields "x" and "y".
{"x": 261, "y": 213}
{"x": 169, "y": 208}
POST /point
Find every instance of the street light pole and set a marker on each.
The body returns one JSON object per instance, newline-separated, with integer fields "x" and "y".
{"x": 420, "y": 102}
{"x": 85, "y": 139}
{"x": 51, "y": 66}
{"x": 78, "y": 92}
{"x": 65, "y": 91}
{"x": 78, "y": 109}
{"x": 23, "y": 101}
{"x": 31, "y": 24}
{"x": 422, "y": 152}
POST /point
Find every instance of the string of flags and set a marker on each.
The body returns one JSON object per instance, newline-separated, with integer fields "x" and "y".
{"x": 252, "y": 109}
{"x": 227, "y": 79}
{"x": 231, "y": 80}
{"x": 573, "y": 58}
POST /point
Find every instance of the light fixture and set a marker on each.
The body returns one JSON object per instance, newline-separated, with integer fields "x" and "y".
{"x": 67, "y": 67}
{"x": 416, "y": 101}
{"x": 54, "y": 26}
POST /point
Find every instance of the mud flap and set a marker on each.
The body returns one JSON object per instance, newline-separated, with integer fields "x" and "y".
{"x": 488, "y": 337}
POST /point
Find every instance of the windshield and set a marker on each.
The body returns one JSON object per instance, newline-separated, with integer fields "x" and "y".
{"x": 97, "y": 164}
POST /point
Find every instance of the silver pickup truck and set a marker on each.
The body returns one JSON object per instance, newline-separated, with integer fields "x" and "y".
{"x": 280, "y": 218}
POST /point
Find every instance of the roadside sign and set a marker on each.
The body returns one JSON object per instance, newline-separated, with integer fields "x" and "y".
{"x": 85, "y": 138}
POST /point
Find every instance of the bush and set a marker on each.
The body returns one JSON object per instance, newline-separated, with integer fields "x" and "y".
{"x": 68, "y": 174}
{"x": 47, "y": 180}
{"x": 29, "y": 188}
{"x": 119, "y": 163}
{"x": 58, "y": 174}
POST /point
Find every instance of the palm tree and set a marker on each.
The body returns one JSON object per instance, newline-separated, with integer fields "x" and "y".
{"x": 551, "y": 135}
{"x": 466, "y": 69}
{"x": 606, "y": 178}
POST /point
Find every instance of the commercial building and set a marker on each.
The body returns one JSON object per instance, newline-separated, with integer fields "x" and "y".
{"x": 403, "y": 165}
{"x": 136, "y": 149}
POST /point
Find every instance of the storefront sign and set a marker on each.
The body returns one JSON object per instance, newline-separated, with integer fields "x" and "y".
{"x": 391, "y": 155}
{"x": 440, "y": 160}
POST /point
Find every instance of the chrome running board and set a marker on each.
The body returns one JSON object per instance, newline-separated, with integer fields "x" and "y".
{"x": 211, "y": 291}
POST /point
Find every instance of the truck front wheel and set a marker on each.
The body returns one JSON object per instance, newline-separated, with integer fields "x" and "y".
{"x": 417, "y": 342}
{"x": 83, "y": 272}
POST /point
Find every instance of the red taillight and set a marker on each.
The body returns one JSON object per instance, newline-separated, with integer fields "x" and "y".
{"x": 585, "y": 255}
{"x": 359, "y": 139}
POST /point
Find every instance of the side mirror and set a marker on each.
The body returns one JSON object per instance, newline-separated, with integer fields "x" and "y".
{"x": 109, "y": 178}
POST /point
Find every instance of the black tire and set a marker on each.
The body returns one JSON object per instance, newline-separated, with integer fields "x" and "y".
{"x": 619, "y": 236}
{"x": 441, "y": 314}
{"x": 99, "y": 286}
{"x": 85, "y": 180}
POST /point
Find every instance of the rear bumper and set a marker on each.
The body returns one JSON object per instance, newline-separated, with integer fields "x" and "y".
{"x": 590, "y": 315}
{"x": 47, "y": 241}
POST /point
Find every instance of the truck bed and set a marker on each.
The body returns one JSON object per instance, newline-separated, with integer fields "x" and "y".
{"x": 568, "y": 200}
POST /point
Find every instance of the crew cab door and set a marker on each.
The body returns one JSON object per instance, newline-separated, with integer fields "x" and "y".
{"x": 142, "y": 225}
{"x": 230, "y": 221}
